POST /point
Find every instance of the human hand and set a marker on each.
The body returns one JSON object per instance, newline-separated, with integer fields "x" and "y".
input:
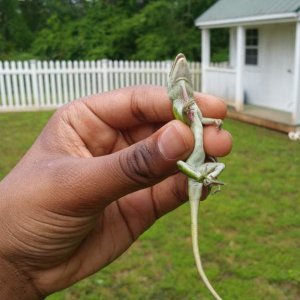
{"x": 100, "y": 173}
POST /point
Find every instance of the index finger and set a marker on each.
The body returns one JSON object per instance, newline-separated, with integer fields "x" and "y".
{"x": 132, "y": 106}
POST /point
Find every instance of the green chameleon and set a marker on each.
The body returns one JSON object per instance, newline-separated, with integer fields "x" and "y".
{"x": 200, "y": 173}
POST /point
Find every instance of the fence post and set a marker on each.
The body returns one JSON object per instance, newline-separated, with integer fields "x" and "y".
{"x": 33, "y": 73}
{"x": 105, "y": 75}
{"x": 169, "y": 64}
{"x": 2, "y": 87}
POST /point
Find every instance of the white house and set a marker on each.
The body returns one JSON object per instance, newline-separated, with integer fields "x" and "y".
{"x": 264, "y": 60}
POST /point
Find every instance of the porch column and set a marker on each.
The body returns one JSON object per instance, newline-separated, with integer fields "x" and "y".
{"x": 240, "y": 61}
{"x": 205, "y": 57}
{"x": 296, "y": 87}
{"x": 232, "y": 47}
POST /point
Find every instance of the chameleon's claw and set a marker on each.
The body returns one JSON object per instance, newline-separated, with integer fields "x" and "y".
{"x": 212, "y": 159}
{"x": 212, "y": 181}
{"x": 219, "y": 123}
{"x": 215, "y": 190}
{"x": 213, "y": 185}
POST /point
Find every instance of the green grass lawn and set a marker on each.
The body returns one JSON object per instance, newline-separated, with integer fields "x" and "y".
{"x": 249, "y": 233}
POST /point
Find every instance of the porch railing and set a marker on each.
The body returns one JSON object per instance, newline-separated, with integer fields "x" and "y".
{"x": 221, "y": 81}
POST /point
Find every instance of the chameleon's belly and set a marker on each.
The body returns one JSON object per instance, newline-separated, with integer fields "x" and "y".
{"x": 197, "y": 157}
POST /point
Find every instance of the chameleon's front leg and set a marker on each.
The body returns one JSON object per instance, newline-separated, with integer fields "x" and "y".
{"x": 211, "y": 121}
{"x": 189, "y": 108}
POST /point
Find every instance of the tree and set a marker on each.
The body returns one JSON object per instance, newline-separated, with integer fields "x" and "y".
{"x": 13, "y": 29}
{"x": 95, "y": 29}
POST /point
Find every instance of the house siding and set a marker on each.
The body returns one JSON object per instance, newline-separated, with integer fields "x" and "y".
{"x": 270, "y": 84}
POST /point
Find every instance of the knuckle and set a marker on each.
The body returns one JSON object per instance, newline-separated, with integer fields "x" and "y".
{"x": 139, "y": 164}
{"x": 137, "y": 97}
{"x": 139, "y": 101}
{"x": 180, "y": 188}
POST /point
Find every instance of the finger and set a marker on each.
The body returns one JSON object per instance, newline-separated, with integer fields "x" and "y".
{"x": 211, "y": 106}
{"x": 136, "y": 167}
{"x": 216, "y": 142}
{"x": 126, "y": 108}
{"x": 132, "y": 106}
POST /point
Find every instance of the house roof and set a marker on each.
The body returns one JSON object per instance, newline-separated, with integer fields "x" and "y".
{"x": 226, "y": 12}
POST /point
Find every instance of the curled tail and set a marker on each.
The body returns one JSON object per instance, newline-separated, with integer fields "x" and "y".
{"x": 195, "y": 194}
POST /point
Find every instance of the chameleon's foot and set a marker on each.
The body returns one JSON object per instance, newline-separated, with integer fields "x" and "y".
{"x": 211, "y": 172}
{"x": 207, "y": 173}
{"x": 188, "y": 105}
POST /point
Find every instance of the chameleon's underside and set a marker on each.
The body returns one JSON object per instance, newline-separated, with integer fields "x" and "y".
{"x": 200, "y": 173}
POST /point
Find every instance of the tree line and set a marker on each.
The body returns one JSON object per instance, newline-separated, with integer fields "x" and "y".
{"x": 96, "y": 29}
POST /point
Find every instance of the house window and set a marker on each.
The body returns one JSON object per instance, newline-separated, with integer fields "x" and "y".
{"x": 251, "y": 57}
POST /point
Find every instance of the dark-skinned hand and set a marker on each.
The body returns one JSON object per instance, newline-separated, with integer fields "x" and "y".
{"x": 102, "y": 171}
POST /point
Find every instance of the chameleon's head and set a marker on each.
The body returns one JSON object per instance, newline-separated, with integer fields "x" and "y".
{"x": 179, "y": 70}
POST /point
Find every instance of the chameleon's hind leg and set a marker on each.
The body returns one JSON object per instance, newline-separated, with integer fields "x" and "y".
{"x": 207, "y": 172}
{"x": 188, "y": 170}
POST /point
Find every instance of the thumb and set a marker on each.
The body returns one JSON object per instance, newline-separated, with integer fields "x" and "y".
{"x": 141, "y": 165}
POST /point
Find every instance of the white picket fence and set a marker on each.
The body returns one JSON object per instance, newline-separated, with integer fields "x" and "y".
{"x": 35, "y": 85}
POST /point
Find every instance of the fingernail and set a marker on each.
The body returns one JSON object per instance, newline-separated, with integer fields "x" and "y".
{"x": 171, "y": 143}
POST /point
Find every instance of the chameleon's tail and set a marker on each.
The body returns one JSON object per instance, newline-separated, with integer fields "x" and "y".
{"x": 194, "y": 203}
